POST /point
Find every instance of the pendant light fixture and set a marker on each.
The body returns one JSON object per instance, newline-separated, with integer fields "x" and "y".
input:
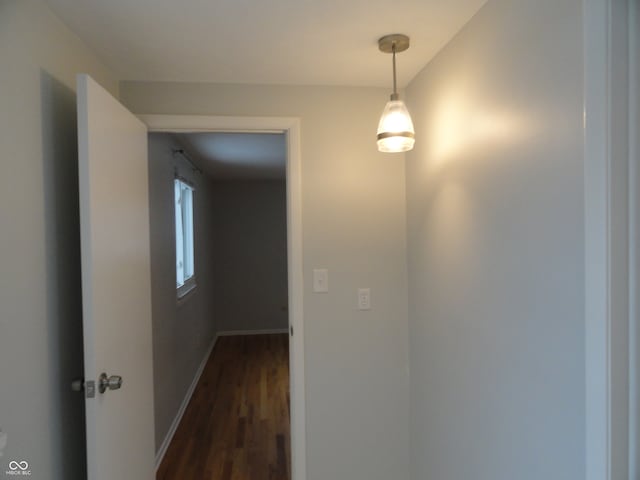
{"x": 395, "y": 130}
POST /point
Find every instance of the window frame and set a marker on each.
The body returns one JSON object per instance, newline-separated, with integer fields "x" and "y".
{"x": 187, "y": 235}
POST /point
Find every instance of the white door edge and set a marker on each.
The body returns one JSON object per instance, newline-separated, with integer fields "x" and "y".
{"x": 607, "y": 164}
{"x": 290, "y": 126}
{"x": 634, "y": 240}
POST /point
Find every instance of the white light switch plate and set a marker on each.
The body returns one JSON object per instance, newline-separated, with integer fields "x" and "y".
{"x": 320, "y": 280}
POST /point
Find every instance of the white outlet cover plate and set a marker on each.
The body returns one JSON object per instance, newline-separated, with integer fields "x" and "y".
{"x": 364, "y": 299}
{"x": 320, "y": 280}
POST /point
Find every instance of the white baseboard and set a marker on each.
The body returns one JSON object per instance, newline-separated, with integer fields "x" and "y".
{"x": 231, "y": 333}
{"x": 187, "y": 398}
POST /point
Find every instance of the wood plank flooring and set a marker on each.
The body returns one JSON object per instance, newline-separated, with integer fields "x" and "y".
{"x": 236, "y": 426}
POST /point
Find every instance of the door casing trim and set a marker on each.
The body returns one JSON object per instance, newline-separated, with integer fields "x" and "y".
{"x": 609, "y": 190}
{"x": 290, "y": 126}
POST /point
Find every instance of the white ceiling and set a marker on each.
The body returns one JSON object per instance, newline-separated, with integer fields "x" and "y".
{"x": 291, "y": 42}
{"x": 237, "y": 156}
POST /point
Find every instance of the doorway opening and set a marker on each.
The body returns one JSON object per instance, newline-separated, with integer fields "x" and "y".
{"x": 224, "y": 188}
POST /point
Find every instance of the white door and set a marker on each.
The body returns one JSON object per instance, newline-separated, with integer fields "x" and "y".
{"x": 116, "y": 297}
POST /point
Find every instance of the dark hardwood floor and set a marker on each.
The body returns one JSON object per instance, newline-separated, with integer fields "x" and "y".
{"x": 236, "y": 426}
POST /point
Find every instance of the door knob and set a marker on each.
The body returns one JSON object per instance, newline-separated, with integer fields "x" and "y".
{"x": 114, "y": 382}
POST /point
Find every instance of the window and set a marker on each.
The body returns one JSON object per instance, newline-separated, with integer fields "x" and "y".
{"x": 185, "y": 275}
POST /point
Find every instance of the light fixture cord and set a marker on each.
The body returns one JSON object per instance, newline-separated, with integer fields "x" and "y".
{"x": 393, "y": 49}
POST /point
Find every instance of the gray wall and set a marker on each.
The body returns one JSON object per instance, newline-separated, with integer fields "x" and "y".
{"x": 182, "y": 330}
{"x": 250, "y": 255}
{"x": 634, "y": 417}
{"x": 40, "y": 305}
{"x": 496, "y": 249}
{"x": 353, "y": 224}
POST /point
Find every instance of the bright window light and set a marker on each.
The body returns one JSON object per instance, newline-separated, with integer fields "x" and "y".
{"x": 185, "y": 274}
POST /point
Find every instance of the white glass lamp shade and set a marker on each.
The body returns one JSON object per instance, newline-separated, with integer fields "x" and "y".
{"x": 395, "y": 130}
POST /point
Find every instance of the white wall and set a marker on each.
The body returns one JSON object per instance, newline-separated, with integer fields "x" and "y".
{"x": 354, "y": 225}
{"x": 496, "y": 248}
{"x": 250, "y": 255}
{"x": 40, "y": 304}
{"x": 184, "y": 330}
